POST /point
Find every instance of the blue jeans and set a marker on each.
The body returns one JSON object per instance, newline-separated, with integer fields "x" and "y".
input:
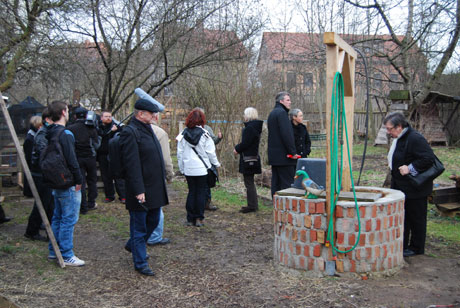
{"x": 141, "y": 226}
{"x": 157, "y": 234}
{"x": 65, "y": 216}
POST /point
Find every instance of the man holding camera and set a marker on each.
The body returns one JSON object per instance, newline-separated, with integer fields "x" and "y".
{"x": 86, "y": 144}
{"x": 107, "y": 129}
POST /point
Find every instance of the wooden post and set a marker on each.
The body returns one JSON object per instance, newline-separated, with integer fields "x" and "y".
{"x": 33, "y": 188}
{"x": 340, "y": 57}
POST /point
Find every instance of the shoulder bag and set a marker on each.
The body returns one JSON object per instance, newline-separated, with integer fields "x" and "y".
{"x": 213, "y": 176}
{"x": 428, "y": 175}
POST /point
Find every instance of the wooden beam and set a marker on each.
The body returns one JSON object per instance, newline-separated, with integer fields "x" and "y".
{"x": 332, "y": 38}
{"x": 33, "y": 188}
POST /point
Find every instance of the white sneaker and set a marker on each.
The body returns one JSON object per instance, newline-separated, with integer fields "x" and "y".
{"x": 74, "y": 261}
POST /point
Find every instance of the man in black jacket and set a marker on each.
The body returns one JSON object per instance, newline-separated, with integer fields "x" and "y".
{"x": 35, "y": 220}
{"x": 66, "y": 201}
{"x": 86, "y": 143}
{"x": 145, "y": 180}
{"x": 281, "y": 147}
{"x": 107, "y": 130}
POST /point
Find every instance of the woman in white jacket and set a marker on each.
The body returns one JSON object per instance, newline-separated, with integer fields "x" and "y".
{"x": 191, "y": 139}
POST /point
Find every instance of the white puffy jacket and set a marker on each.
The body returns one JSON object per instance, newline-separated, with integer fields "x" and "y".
{"x": 188, "y": 161}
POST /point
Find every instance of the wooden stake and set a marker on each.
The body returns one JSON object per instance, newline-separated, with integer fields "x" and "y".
{"x": 33, "y": 188}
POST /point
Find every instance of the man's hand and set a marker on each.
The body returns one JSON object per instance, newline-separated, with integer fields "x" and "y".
{"x": 78, "y": 187}
{"x": 141, "y": 198}
{"x": 235, "y": 152}
{"x": 219, "y": 134}
{"x": 296, "y": 156}
{"x": 114, "y": 128}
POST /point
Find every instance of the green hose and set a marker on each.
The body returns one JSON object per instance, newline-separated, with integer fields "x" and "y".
{"x": 339, "y": 124}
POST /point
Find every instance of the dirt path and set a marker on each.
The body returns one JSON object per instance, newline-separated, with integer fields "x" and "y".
{"x": 228, "y": 263}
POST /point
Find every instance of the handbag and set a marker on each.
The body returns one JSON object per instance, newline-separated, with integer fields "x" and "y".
{"x": 251, "y": 162}
{"x": 428, "y": 175}
{"x": 213, "y": 175}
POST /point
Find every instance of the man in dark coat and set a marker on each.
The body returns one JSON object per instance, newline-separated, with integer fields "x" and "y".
{"x": 410, "y": 153}
{"x": 86, "y": 144}
{"x": 107, "y": 130}
{"x": 281, "y": 147}
{"x": 145, "y": 180}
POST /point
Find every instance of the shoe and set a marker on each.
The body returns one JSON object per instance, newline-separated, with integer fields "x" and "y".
{"x": 83, "y": 211}
{"x": 189, "y": 223}
{"x": 199, "y": 223}
{"x": 6, "y": 219}
{"x": 52, "y": 258}
{"x": 74, "y": 261}
{"x": 147, "y": 271}
{"x": 36, "y": 237}
{"x": 209, "y": 206}
{"x": 90, "y": 208}
{"x": 246, "y": 209}
{"x": 108, "y": 200}
{"x": 128, "y": 249}
{"x": 408, "y": 253}
{"x": 164, "y": 241}
{"x": 123, "y": 200}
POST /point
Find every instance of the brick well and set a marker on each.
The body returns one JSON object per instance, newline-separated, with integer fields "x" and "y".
{"x": 300, "y": 227}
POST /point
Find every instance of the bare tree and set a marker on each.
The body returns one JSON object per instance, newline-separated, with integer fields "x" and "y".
{"x": 150, "y": 44}
{"x": 20, "y": 25}
{"x": 432, "y": 25}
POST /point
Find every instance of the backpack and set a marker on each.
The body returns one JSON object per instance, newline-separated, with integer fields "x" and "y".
{"x": 53, "y": 164}
{"x": 115, "y": 156}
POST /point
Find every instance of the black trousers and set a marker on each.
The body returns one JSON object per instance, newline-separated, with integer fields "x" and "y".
{"x": 251, "y": 191}
{"x": 415, "y": 211}
{"x": 282, "y": 177}
{"x": 47, "y": 199}
{"x": 88, "y": 171}
{"x": 107, "y": 179}
{"x": 196, "y": 198}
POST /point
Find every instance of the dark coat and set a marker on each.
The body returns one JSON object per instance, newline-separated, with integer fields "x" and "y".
{"x": 105, "y": 131}
{"x": 412, "y": 148}
{"x": 280, "y": 137}
{"x": 302, "y": 140}
{"x": 144, "y": 167}
{"x": 249, "y": 145}
{"x": 86, "y": 139}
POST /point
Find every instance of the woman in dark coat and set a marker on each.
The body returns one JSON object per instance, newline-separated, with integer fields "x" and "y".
{"x": 301, "y": 136}
{"x": 248, "y": 147}
{"x": 410, "y": 154}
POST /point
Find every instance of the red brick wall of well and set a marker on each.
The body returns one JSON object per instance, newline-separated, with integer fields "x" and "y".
{"x": 300, "y": 227}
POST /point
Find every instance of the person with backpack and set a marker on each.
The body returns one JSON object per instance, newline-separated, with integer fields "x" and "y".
{"x": 87, "y": 141}
{"x": 145, "y": 180}
{"x": 61, "y": 172}
{"x": 35, "y": 220}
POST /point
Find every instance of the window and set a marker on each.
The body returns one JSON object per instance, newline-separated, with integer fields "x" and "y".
{"x": 394, "y": 78}
{"x": 291, "y": 80}
{"x": 308, "y": 79}
{"x": 377, "y": 80}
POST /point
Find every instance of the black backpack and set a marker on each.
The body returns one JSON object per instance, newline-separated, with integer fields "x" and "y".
{"x": 53, "y": 164}
{"x": 115, "y": 156}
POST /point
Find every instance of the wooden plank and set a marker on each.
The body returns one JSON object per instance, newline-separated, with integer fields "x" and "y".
{"x": 445, "y": 195}
{"x": 448, "y": 206}
{"x": 344, "y": 195}
{"x": 33, "y": 188}
{"x": 331, "y": 38}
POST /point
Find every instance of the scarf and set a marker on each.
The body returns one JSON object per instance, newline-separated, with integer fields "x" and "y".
{"x": 393, "y": 147}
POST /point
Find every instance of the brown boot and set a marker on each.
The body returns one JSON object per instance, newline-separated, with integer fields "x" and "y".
{"x": 209, "y": 206}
